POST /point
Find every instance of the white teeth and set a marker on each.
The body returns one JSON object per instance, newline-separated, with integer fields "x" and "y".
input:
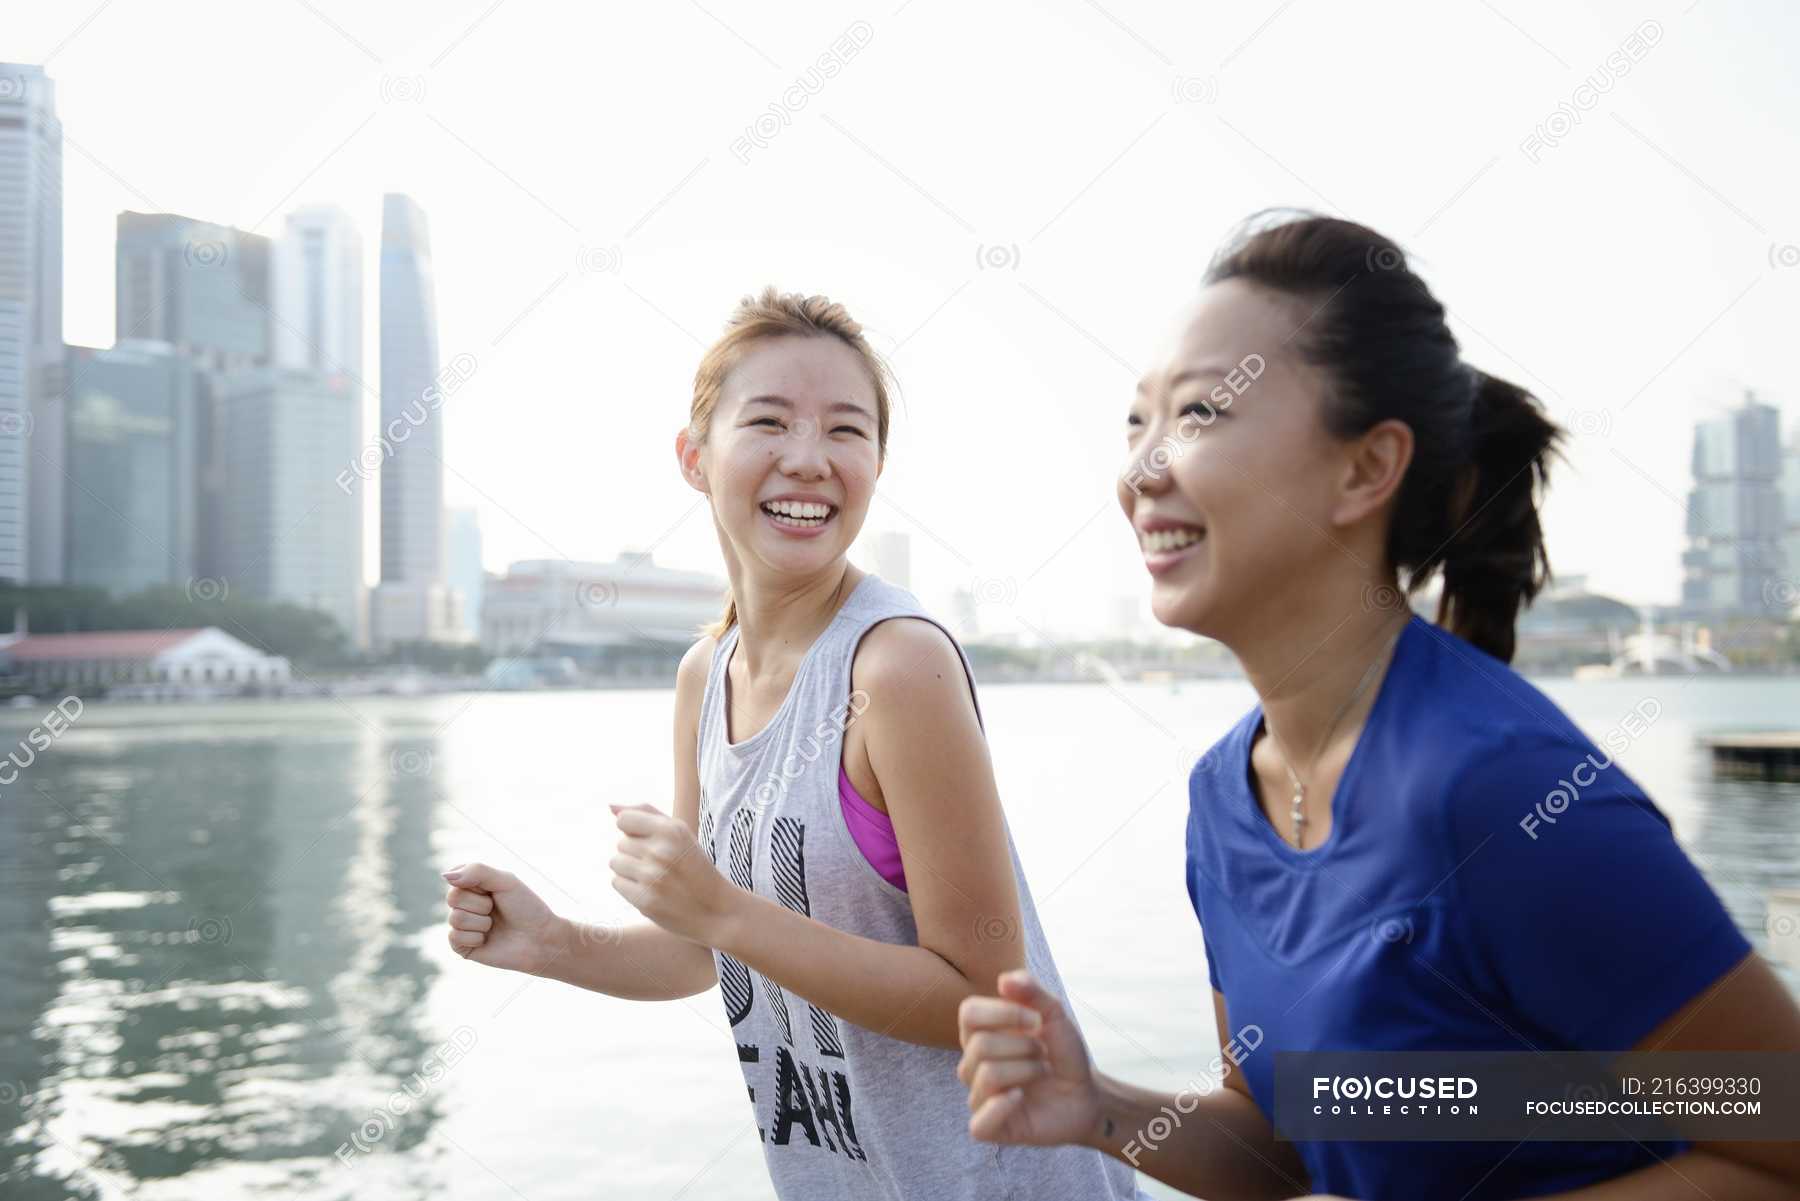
{"x": 1158, "y": 541}
{"x": 793, "y": 512}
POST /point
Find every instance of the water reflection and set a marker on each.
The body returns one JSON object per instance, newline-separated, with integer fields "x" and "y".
{"x": 225, "y": 970}
{"x": 216, "y": 949}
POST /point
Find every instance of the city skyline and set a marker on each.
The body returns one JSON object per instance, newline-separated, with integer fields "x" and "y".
{"x": 1015, "y": 348}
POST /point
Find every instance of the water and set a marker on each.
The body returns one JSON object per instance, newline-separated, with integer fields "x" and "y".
{"x": 226, "y": 972}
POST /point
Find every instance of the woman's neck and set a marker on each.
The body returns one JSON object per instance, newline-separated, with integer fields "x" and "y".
{"x": 782, "y": 617}
{"x": 1306, "y": 669}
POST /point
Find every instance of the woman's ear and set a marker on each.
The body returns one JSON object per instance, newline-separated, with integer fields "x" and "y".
{"x": 1375, "y": 467}
{"x": 687, "y": 457}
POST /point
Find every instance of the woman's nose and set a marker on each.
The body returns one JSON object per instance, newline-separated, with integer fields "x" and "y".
{"x": 802, "y": 450}
{"x": 1146, "y": 471}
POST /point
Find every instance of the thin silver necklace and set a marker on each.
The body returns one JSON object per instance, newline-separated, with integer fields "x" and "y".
{"x": 1299, "y": 813}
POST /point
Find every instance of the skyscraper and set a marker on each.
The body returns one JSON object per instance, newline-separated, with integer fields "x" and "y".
{"x": 412, "y": 475}
{"x": 316, "y": 329}
{"x": 1733, "y": 561}
{"x": 30, "y": 324}
{"x": 462, "y": 566}
{"x": 316, "y": 282}
{"x": 412, "y": 602}
{"x": 204, "y": 289}
{"x": 131, "y": 478}
{"x": 290, "y": 533}
{"x": 1787, "y": 591}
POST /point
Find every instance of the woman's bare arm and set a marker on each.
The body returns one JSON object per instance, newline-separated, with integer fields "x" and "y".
{"x": 644, "y": 962}
{"x": 931, "y": 759}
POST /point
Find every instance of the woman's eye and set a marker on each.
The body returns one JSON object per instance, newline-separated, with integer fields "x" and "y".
{"x": 1203, "y": 409}
{"x": 849, "y": 429}
{"x": 770, "y": 421}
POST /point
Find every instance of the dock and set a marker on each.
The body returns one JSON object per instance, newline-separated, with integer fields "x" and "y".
{"x": 1771, "y": 755}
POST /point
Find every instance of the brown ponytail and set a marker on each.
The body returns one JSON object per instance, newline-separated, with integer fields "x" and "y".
{"x": 1481, "y": 445}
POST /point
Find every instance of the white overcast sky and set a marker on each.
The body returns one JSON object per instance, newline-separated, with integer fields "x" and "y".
{"x": 592, "y": 226}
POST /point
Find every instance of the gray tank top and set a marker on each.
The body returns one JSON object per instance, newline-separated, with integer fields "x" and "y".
{"x": 845, "y": 1112}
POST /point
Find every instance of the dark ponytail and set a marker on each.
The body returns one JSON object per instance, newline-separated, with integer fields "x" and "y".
{"x": 1481, "y": 445}
{"x": 1493, "y": 559}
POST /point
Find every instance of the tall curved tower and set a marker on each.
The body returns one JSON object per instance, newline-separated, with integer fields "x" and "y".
{"x": 412, "y": 473}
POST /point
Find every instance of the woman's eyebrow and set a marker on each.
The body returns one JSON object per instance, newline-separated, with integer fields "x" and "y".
{"x": 1201, "y": 371}
{"x": 782, "y": 402}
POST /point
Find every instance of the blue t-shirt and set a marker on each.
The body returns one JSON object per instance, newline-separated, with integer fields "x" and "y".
{"x": 1429, "y": 920}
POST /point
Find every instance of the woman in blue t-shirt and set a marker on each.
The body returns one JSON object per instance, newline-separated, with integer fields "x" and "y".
{"x": 1404, "y": 846}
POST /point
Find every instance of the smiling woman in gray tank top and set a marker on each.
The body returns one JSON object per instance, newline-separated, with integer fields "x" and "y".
{"x": 836, "y": 859}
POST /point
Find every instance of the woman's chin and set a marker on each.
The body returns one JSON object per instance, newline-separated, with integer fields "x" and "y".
{"x": 799, "y": 556}
{"x": 1179, "y": 608}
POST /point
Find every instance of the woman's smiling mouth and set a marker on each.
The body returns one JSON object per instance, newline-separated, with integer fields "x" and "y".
{"x": 799, "y": 516}
{"x": 1167, "y": 544}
